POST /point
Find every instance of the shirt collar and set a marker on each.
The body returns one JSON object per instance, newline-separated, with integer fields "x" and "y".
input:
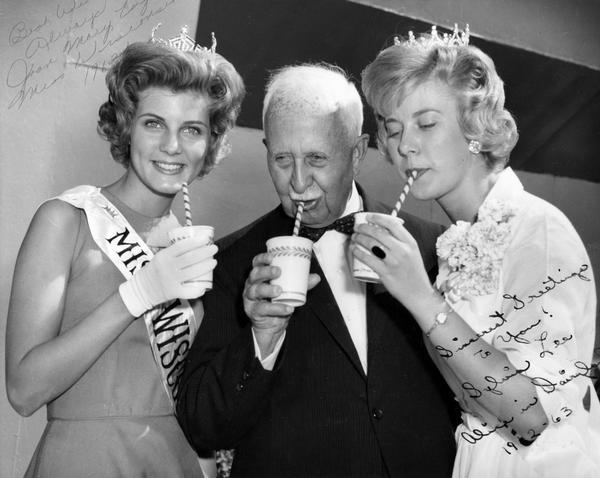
{"x": 507, "y": 188}
{"x": 355, "y": 203}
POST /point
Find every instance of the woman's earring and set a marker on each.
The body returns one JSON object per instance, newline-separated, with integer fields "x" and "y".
{"x": 474, "y": 146}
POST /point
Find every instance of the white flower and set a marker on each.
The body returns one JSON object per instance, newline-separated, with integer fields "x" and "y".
{"x": 474, "y": 252}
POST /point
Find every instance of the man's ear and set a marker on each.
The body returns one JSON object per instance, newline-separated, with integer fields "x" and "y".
{"x": 359, "y": 150}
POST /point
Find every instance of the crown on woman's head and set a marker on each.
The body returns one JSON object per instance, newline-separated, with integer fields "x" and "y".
{"x": 458, "y": 38}
{"x": 184, "y": 42}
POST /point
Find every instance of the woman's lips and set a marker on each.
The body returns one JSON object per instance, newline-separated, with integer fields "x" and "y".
{"x": 420, "y": 172}
{"x": 168, "y": 168}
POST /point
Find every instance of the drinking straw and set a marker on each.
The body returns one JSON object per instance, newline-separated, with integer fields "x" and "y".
{"x": 186, "y": 204}
{"x": 299, "y": 210}
{"x": 404, "y": 193}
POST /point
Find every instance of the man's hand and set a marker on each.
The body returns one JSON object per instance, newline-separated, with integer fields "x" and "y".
{"x": 269, "y": 320}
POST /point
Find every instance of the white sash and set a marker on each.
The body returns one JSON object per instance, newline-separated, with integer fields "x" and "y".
{"x": 171, "y": 326}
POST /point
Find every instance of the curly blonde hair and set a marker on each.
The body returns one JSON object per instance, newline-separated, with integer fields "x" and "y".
{"x": 143, "y": 65}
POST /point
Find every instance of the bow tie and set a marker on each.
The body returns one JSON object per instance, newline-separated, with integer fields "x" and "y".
{"x": 345, "y": 225}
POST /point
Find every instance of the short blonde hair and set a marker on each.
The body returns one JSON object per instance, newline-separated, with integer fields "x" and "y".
{"x": 467, "y": 71}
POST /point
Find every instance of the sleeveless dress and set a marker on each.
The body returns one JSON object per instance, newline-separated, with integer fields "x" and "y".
{"x": 117, "y": 419}
{"x": 541, "y": 313}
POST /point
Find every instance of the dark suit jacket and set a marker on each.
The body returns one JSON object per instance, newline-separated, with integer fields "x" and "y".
{"x": 316, "y": 414}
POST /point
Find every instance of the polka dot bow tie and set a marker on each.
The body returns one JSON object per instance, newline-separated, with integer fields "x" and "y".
{"x": 345, "y": 225}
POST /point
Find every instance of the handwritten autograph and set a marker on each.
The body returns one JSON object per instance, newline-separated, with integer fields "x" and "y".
{"x": 518, "y": 336}
{"x": 536, "y": 333}
{"x": 550, "y": 284}
{"x": 474, "y": 392}
{"x": 76, "y": 32}
{"x": 476, "y": 434}
{"x": 549, "y": 386}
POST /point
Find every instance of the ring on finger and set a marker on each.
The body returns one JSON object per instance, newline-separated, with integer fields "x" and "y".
{"x": 378, "y": 252}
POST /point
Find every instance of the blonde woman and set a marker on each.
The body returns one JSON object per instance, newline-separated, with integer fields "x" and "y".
{"x": 510, "y": 320}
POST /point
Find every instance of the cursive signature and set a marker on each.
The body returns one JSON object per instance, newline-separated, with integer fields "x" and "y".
{"x": 70, "y": 32}
{"x": 548, "y": 386}
{"x": 476, "y": 434}
{"x": 476, "y": 337}
{"x": 518, "y": 336}
{"x": 550, "y": 283}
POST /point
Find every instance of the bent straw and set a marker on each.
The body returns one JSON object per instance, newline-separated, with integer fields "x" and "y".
{"x": 299, "y": 210}
{"x": 404, "y": 193}
{"x": 186, "y": 204}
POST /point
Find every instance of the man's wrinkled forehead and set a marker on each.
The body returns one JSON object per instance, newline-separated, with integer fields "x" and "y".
{"x": 309, "y": 105}
{"x": 327, "y": 123}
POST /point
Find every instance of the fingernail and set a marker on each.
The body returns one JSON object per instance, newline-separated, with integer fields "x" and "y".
{"x": 289, "y": 309}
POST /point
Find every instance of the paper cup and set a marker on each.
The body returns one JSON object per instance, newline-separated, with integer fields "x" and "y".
{"x": 360, "y": 270}
{"x": 292, "y": 255}
{"x": 207, "y": 233}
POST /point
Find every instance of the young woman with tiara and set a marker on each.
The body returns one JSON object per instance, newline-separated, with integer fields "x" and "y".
{"x": 510, "y": 320}
{"x": 103, "y": 309}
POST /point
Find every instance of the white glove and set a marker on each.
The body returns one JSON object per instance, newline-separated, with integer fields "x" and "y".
{"x": 164, "y": 277}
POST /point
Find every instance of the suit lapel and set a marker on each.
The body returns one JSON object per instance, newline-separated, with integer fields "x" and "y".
{"x": 320, "y": 299}
{"x": 378, "y": 298}
{"x": 322, "y": 303}
{"x": 377, "y": 302}
{"x": 372, "y": 206}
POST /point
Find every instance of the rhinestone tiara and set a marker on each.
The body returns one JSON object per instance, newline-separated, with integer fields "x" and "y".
{"x": 184, "y": 42}
{"x": 457, "y": 39}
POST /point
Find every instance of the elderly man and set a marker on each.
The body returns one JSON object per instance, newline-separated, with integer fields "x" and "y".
{"x": 341, "y": 386}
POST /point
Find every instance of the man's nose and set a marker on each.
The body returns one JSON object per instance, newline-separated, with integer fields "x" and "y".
{"x": 301, "y": 177}
{"x": 170, "y": 143}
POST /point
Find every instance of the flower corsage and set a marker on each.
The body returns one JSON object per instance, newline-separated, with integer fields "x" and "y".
{"x": 473, "y": 252}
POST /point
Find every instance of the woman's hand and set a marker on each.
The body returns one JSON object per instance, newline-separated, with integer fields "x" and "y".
{"x": 170, "y": 275}
{"x": 402, "y": 272}
{"x": 398, "y": 262}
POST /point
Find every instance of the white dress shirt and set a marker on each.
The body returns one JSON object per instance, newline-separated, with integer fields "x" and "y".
{"x": 331, "y": 250}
